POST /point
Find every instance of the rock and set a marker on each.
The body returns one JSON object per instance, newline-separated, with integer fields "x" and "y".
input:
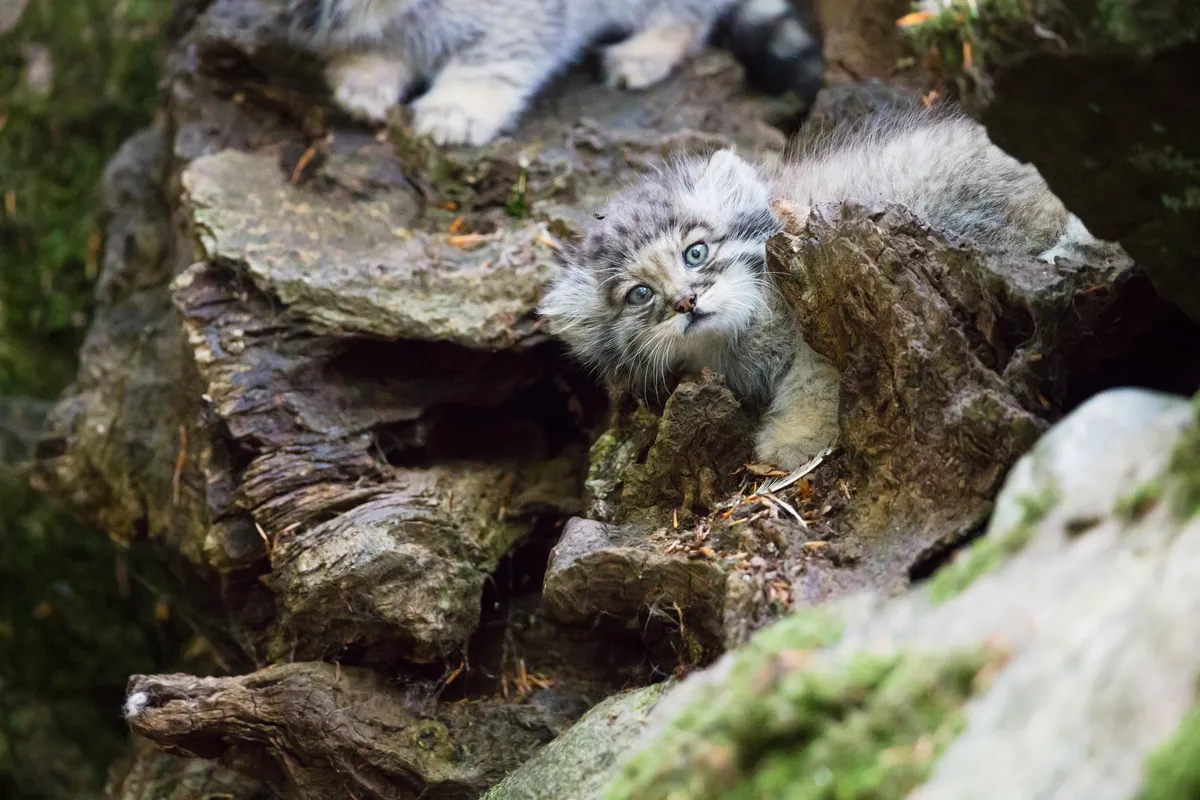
{"x": 354, "y": 267}
{"x": 626, "y": 441}
{"x": 1046, "y": 76}
{"x": 578, "y": 764}
{"x": 860, "y": 38}
{"x": 704, "y": 437}
{"x": 1059, "y": 669}
{"x": 111, "y": 443}
{"x": 316, "y": 730}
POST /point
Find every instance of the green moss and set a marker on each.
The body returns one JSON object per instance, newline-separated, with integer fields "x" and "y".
{"x": 612, "y": 453}
{"x": 1183, "y": 470}
{"x": 1173, "y": 770}
{"x": 52, "y": 151}
{"x": 70, "y": 630}
{"x": 1138, "y": 502}
{"x": 870, "y": 728}
{"x": 986, "y": 554}
{"x": 1150, "y": 26}
{"x": 1010, "y": 26}
{"x": 948, "y": 32}
{"x": 517, "y": 206}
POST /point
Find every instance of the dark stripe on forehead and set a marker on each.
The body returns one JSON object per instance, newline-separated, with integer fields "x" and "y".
{"x": 620, "y": 241}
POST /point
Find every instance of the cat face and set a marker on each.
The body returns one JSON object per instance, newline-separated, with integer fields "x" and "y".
{"x": 668, "y": 276}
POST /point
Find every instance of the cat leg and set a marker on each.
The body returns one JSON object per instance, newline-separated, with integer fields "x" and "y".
{"x": 472, "y": 100}
{"x": 803, "y": 417}
{"x": 652, "y": 53}
{"x": 367, "y": 84}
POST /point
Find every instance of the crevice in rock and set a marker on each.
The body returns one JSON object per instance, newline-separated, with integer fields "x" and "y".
{"x": 546, "y": 410}
{"x": 1163, "y": 355}
{"x": 942, "y": 552}
{"x": 517, "y": 653}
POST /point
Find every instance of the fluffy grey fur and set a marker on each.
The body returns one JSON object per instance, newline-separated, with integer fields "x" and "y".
{"x": 636, "y": 301}
{"x": 486, "y": 59}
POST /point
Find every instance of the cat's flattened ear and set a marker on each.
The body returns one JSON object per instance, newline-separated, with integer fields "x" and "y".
{"x": 571, "y": 297}
{"x": 734, "y": 175}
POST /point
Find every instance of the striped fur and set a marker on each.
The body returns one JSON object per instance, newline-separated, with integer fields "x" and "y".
{"x": 486, "y": 60}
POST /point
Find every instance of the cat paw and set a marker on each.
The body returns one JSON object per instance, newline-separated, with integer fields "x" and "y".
{"x": 366, "y": 86}
{"x": 645, "y": 59}
{"x": 781, "y": 455}
{"x": 792, "y": 441}
{"x": 462, "y": 114}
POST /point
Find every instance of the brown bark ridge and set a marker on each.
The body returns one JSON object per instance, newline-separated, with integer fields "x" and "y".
{"x": 953, "y": 361}
{"x": 319, "y": 731}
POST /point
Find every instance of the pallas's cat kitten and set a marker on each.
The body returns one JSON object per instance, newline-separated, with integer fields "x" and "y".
{"x": 671, "y": 276}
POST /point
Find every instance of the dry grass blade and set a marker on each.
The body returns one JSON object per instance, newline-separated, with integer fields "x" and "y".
{"x": 775, "y": 501}
{"x": 800, "y": 472}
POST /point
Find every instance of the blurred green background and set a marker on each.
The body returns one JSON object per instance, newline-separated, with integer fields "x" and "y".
{"x": 76, "y": 78}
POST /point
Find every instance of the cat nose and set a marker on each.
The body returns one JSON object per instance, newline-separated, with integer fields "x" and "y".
{"x": 685, "y": 303}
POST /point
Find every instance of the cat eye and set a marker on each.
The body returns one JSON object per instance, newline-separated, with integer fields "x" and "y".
{"x": 639, "y": 295}
{"x": 696, "y": 254}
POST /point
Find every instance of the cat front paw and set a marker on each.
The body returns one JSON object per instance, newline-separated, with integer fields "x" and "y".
{"x": 791, "y": 442}
{"x": 462, "y": 113}
{"x": 367, "y": 85}
{"x": 782, "y": 455}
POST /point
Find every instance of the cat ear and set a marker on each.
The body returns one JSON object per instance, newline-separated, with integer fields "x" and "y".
{"x": 570, "y": 298}
{"x": 732, "y": 175}
{"x": 727, "y": 166}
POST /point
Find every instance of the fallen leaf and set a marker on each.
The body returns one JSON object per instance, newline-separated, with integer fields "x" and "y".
{"x": 915, "y": 18}
{"x": 466, "y": 241}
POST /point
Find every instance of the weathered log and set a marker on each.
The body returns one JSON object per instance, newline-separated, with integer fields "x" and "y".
{"x": 323, "y": 731}
{"x": 315, "y": 378}
{"x": 151, "y": 774}
{"x": 600, "y": 571}
{"x": 952, "y": 362}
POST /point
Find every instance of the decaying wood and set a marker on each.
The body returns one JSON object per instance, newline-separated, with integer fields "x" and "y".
{"x": 326, "y": 731}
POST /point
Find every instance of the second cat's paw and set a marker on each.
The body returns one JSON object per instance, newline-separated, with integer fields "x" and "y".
{"x": 461, "y": 114}
{"x": 645, "y": 59}
{"x": 366, "y": 86}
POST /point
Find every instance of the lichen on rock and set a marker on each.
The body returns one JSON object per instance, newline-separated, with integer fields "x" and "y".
{"x": 870, "y": 728}
{"x": 581, "y": 762}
